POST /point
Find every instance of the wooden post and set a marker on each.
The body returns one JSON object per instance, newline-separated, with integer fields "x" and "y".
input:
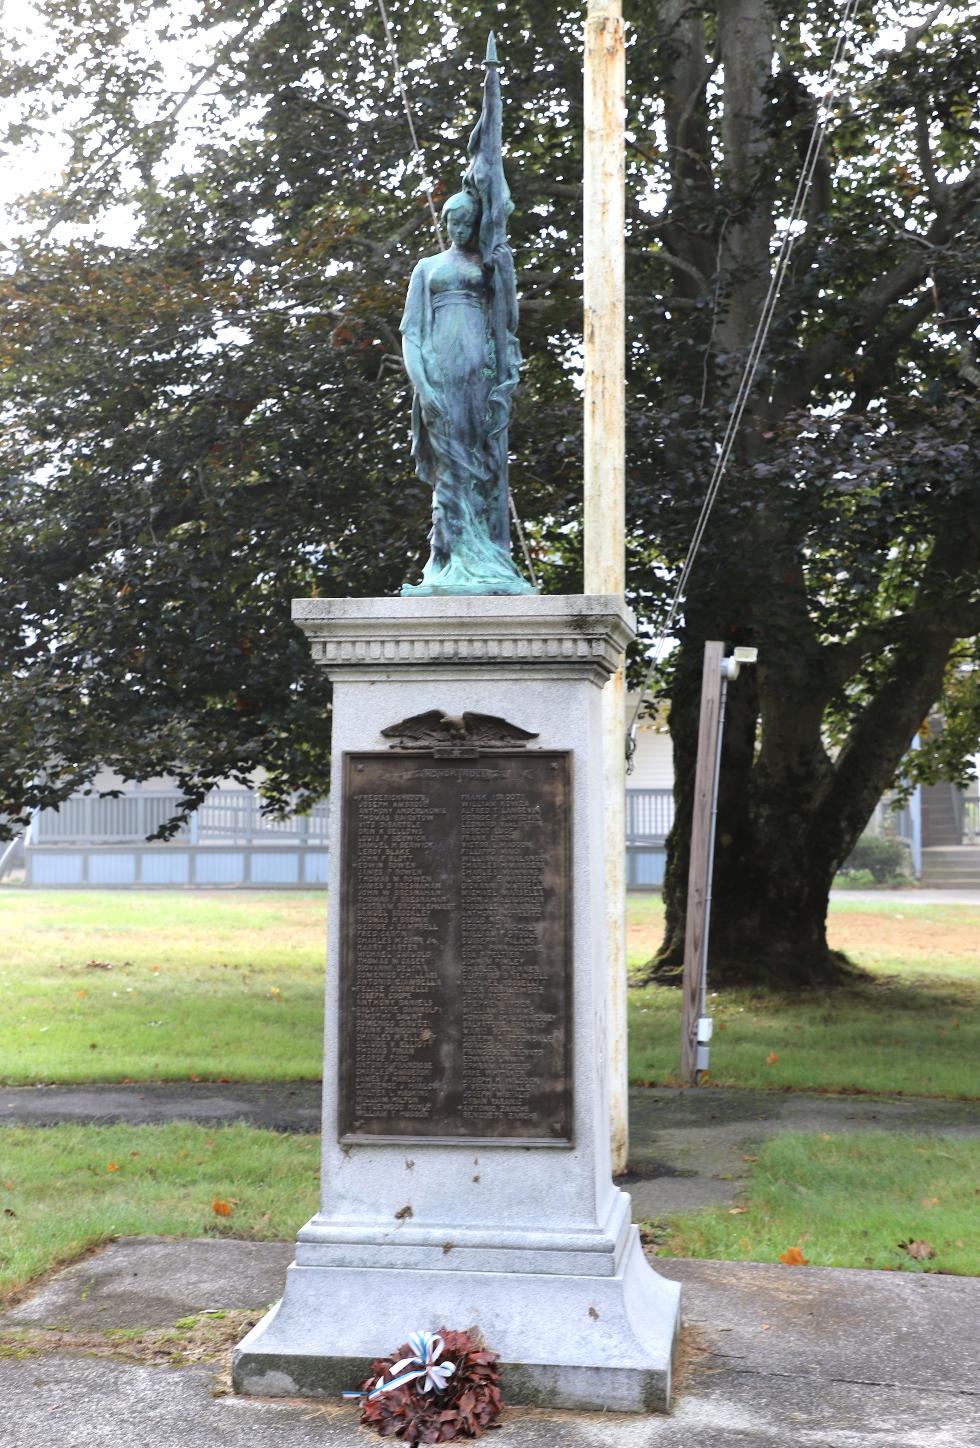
{"x": 695, "y": 941}
{"x": 605, "y": 509}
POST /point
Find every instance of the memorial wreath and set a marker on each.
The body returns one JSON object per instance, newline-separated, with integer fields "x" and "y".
{"x": 434, "y": 1388}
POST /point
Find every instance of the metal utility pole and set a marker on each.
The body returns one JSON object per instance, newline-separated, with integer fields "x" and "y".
{"x": 605, "y": 506}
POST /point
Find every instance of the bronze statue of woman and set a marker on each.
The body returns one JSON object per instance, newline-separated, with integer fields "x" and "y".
{"x": 459, "y": 339}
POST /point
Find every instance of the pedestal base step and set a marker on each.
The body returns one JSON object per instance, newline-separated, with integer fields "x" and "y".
{"x": 564, "y": 1341}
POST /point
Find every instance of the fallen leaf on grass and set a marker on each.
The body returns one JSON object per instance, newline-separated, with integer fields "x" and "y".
{"x": 930, "y": 1201}
{"x": 112, "y": 1166}
{"x": 737, "y": 1211}
{"x": 793, "y": 1257}
{"x": 98, "y": 965}
{"x": 772, "y": 1058}
{"x": 221, "y": 1208}
{"x": 9, "y": 1212}
{"x": 919, "y": 1250}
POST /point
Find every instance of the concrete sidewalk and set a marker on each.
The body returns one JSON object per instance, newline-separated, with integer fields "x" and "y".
{"x": 777, "y": 1356}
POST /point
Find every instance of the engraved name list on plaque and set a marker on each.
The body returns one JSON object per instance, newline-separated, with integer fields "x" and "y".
{"x": 455, "y": 960}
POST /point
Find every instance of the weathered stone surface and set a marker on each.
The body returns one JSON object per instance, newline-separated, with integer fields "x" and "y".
{"x": 551, "y": 637}
{"x": 424, "y": 1234}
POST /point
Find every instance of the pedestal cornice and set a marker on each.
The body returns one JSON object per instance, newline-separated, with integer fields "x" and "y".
{"x": 584, "y": 634}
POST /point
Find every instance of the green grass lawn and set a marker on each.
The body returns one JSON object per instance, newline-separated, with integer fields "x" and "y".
{"x": 64, "y": 1189}
{"x": 214, "y": 985}
{"x": 913, "y": 1028}
{"x": 846, "y": 1201}
{"x": 100, "y": 986}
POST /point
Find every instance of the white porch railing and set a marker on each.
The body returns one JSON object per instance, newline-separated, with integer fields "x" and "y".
{"x": 649, "y": 815}
{"x": 232, "y": 815}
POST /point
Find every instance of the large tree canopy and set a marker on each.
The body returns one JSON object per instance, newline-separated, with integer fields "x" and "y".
{"x": 210, "y": 415}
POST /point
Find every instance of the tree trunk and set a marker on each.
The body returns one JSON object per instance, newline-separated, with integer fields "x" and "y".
{"x": 788, "y": 814}
{"x": 772, "y": 870}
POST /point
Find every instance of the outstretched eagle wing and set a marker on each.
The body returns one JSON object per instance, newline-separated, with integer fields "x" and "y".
{"x": 489, "y": 729}
{"x": 427, "y": 728}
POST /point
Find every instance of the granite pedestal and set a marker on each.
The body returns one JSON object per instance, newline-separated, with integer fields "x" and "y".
{"x": 532, "y": 1242}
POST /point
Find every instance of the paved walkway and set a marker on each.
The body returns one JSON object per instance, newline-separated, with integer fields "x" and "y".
{"x": 277, "y": 1105}
{"x": 687, "y": 1147}
{"x": 778, "y": 1356}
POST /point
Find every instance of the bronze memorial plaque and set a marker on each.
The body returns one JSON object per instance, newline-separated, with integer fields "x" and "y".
{"x": 456, "y": 947}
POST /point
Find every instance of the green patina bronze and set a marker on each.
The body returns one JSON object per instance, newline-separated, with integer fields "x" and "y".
{"x": 460, "y": 345}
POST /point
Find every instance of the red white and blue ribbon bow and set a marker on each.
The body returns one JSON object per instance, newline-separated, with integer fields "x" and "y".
{"x": 427, "y": 1349}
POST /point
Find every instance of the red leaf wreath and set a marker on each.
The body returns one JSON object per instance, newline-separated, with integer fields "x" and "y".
{"x": 469, "y": 1405}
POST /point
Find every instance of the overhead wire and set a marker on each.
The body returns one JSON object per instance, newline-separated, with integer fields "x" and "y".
{"x": 403, "y": 89}
{"x": 776, "y": 279}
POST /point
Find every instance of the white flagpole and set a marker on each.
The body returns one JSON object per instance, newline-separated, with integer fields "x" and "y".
{"x": 605, "y": 507}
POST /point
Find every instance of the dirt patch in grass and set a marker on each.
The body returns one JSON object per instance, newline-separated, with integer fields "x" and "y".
{"x": 690, "y": 1354}
{"x": 907, "y": 938}
{"x": 942, "y": 939}
{"x": 202, "y": 1338}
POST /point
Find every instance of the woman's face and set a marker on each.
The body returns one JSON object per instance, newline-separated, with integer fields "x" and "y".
{"x": 459, "y": 224}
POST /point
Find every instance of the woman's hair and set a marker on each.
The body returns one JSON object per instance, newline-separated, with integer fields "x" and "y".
{"x": 457, "y": 202}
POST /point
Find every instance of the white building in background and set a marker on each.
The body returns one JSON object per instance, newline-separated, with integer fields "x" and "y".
{"x": 649, "y": 801}
{"x": 101, "y": 843}
{"x": 940, "y": 825}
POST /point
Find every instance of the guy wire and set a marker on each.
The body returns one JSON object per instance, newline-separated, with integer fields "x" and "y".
{"x": 400, "y": 82}
{"x": 776, "y": 279}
